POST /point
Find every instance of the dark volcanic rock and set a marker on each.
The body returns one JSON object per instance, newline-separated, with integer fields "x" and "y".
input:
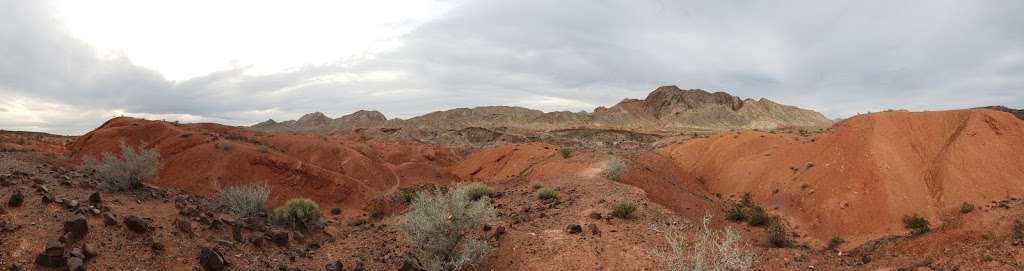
{"x": 136, "y": 224}
{"x": 16, "y": 199}
{"x": 212, "y": 260}
{"x": 77, "y": 226}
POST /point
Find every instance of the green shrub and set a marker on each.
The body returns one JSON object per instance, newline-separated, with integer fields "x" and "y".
{"x": 375, "y": 212}
{"x": 735, "y": 213}
{"x": 623, "y": 209}
{"x": 438, "y": 225}
{"x": 127, "y": 171}
{"x": 757, "y": 216}
{"x": 244, "y": 200}
{"x": 298, "y": 212}
{"x": 917, "y": 224}
{"x": 966, "y": 208}
{"x": 778, "y": 236}
{"x": 476, "y": 191}
{"x": 746, "y": 200}
{"x": 835, "y": 242}
{"x": 547, "y": 194}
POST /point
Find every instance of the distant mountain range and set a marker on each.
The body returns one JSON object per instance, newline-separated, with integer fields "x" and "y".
{"x": 666, "y": 109}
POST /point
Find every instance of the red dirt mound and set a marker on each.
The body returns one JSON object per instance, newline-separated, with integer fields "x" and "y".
{"x": 334, "y": 171}
{"x": 858, "y": 181}
{"x": 504, "y": 162}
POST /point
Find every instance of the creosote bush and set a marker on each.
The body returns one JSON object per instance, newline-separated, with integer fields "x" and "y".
{"x": 835, "y": 242}
{"x": 438, "y": 225}
{"x": 758, "y": 216}
{"x": 778, "y": 236}
{"x": 244, "y": 200}
{"x": 917, "y": 224}
{"x": 547, "y": 193}
{"x": 299, "y": 213}
{"x": 127, "y": 171}
{"x": 476, "y": 191}
{"x": 706, "y": 249}
{"x": 623, "y": 209}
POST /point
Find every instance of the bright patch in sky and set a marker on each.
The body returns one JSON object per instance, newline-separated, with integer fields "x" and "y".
{"x": 190, "y": 38}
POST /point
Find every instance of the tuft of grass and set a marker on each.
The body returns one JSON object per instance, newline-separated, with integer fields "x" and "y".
{"x": 126, "y": 172}
{"x": 244, "y": 200}
{"x": 917, "y": 224}
{"x": 476, "y": 191}
{"x": 623, "y": 209}
{"x": 967, "y": 207}
{"x": 566, "y": 152}
{"x": 835, "y": 242}
{"x": 298, "y": 212}
{"x": 547, "y": 193}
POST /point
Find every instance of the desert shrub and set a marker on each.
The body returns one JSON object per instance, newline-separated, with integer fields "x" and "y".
{"x": 244, "y": 200}
{"x": 547, "y": 193}
{"x": 778, "y": 236}
{"x": 566, "y": 152}
{"x": 614, "y": 168}
{"x": 224, "y": 145}
{"x": 476, "y": 191}
{"x": 438, "y": 224}
{"x": 264, "y": 148}
{"x": 735, "y": 213}
{"x": 917, "y": 224}
{"x": 536, "y": 186}
{"x": 375, "y": 212}
{"x": 127, "y": 171}
{"x": 967, "y": 207}
{"x": 757, "y": 216}
{"x": 835, "y": 242}
{"x": 623, "y": 209}
{"x": 746, "y": 200}
{"x": 706, "y": 249}
{"x": 298, "y": 212}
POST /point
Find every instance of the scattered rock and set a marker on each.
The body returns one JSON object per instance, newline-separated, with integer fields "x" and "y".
{"x": 109, "y": 219}
{"x": 89, "y": 251}
{"x": 334, "y": 266}
{"x": 335, "y": 211}
{"x": 595, "y": 215}
{"x": 95, "y": 198}
{"x": 71, "y": 204}
{"x": 593, "y": 229}
{"x": 136, "y": 224}
{"x": 236, "y": 233}
{"x": 53, "y": 248}
{"x": 407, "y": 265}
{"x": 498, "y": 232}
{"x": 16, "y": 199}
{"x": 574, "y": 229}
{"x": 77, "y": 226}
{"x": 76, "y": 264}
{"x": 212, "y": 260}
{"x": 279, "y": 237}
{"x": 184, "y": 226}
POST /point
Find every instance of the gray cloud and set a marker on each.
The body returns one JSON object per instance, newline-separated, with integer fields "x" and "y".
{"x": 840, "y": 58}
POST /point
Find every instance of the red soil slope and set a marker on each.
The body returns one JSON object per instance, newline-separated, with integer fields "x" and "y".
{"x": 858, "y": 181}
{"x": 334, "y": 171}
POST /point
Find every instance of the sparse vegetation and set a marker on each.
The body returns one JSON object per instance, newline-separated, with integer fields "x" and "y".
{"x": 264, "y": 148}
{"x": 917, "y": 224}
{"x": 623, "y": 209}
{"x": 613, "y": 169}
{"x": 835, "y": 242}
{"x": 967, "y": 207}
{"x": 566, "y": 152}
{"x": 476, "y": 191}
{"x": 536, "y": 186}
{"x": 298, "y": 213}
{"x": 757, "y": 216}
{"x": 127, "y": 171}
{"x": 778, "y": 236}
{"x": 438, "y": 225}
{"x": 224, "y": 145}
{"x": 547, "y": 193}
{"x": 244, "y": 200}
{"x": 1018, "y": 229}
{"x": 706, "y": 249}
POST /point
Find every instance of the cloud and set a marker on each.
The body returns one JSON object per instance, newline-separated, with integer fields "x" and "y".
{"x": 840, "y": 58}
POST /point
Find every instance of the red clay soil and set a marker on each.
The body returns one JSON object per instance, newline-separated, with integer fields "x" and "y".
{"x": 33, "y": 142}
{"x": 334, "y": 171}
{"x": 861, "y": 179}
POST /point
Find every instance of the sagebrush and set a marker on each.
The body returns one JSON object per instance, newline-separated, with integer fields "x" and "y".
{"x": 613, "y": 169}
{"x": 299, "y": 213}
{"x": 706, "y": 249}
{"x": 438, "y": 225}
{"x": 476, "y": 191}
{"x": 244, "y": 200}
{"x": 127, "y": 171}
{"x": 547, "y": 193}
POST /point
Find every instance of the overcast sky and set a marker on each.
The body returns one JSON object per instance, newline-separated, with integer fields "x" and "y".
{"x": 68, "y": 65}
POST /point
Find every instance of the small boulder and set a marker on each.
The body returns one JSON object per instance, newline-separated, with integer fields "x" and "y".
{"x": 335, "y": 211}
{"x": 212, "y": 260}
{"x": 185, "y": 227}
{"x": 407, "y": 265}
{"x": 574, "y": 229}
{"x": 16, "y": 199}
{"x": 136, "y": 224}
{"x": 595, "y": 215}
{"x": 498, "y": 232}
{"x": 593, "y": 229}
{"x": 109, "y": 219}
{"x": 53, "y": 248}
{"x": 76, "y": 264}
{"x": 77, "y": 226}
{"x": 89, "y": 251}
{"x": 279, "y": 237}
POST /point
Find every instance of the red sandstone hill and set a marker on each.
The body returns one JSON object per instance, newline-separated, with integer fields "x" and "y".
{"x": 859, "y": 180}
{"x": 334, "y": 171}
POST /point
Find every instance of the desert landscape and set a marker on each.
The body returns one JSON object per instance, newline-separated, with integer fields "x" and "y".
{"x": 617, "y": 189}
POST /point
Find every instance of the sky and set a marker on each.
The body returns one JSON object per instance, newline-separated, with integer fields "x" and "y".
{"x": 66, "y": 66}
